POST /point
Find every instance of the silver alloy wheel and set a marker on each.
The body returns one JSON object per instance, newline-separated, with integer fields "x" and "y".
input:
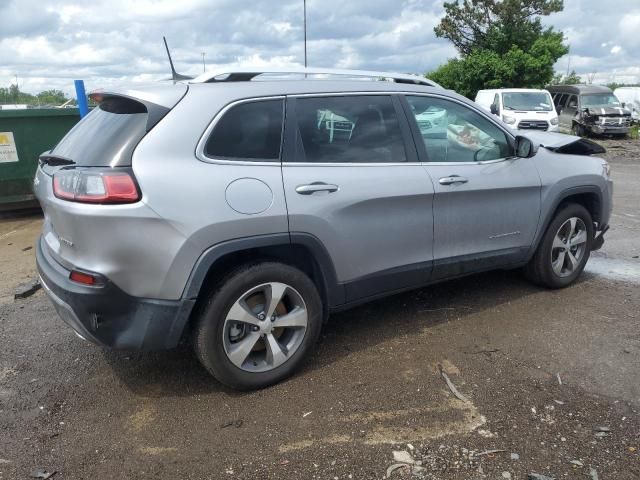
{"x": 569, "y": 246}
{"x": 265, "y": 327}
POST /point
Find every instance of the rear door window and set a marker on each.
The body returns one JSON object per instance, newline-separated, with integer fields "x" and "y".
{"x": 348, "y": 129}
{"x": 248, "y": 131}
{"x": 107, "y": 136}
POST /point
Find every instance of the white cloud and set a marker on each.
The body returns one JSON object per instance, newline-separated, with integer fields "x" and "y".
{"x": 630, "y": 28}
{"x": 49, "y": 43}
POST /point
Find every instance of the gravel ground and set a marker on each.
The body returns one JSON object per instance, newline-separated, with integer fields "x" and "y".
{"x": 551, "y": 380}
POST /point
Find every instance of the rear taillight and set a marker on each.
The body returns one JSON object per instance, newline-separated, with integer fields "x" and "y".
{"x": 95, "y": 186}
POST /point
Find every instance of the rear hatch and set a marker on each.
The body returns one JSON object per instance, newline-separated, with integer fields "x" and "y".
{"x": 86, "y": 182}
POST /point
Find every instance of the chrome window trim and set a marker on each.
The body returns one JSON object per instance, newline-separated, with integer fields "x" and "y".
{"x": 200, "y": 155}
{"x": 199, "y": 152}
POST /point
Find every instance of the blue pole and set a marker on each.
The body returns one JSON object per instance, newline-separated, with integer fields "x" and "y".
{"x": 81, "y": 97}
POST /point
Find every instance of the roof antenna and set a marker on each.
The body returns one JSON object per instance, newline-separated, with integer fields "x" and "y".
{"x": 304, "y": 5}
{"x": 175, "y": 76}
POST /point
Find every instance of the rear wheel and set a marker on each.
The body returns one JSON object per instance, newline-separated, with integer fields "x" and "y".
{"x": 564, "y": 249}
{"x": 259, "y": 325}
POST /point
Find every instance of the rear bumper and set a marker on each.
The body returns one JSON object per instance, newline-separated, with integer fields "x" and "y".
{"x": 107, "y": 316}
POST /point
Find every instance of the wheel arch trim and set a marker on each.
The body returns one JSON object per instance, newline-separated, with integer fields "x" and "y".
{"x": 561, "y": 197}
{"x": 333, "y": 290}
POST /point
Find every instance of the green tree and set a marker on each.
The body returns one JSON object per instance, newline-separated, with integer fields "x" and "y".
{"x": 614, "y": 85}
{"x": 572, "y": 79}
{"x": 51, "y": 97}
{"x": 502, "y": 43}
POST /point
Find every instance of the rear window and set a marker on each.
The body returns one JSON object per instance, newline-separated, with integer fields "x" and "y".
{"x": 248, "y": 131}
{"x": 107, "y": 136}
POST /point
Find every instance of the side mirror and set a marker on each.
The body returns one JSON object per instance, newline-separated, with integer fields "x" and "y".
{"x": 624, "y": 104}
{"x": 558, "y": 109}
{"x": 525, "y": 147}
{"x": 494, "y": 109}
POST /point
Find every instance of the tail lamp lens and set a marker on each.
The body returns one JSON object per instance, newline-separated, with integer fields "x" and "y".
{"x": 86, "y": 186}
{"x": 84, "y": 278}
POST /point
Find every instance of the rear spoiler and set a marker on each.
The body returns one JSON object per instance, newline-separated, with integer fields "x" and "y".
{"x": 157, "y": 100}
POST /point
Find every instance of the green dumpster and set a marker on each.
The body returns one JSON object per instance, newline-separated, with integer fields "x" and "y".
{"x": 24, "y": 135}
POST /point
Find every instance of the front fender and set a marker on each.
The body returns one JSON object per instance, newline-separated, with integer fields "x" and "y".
{"x": 563, "y": 176}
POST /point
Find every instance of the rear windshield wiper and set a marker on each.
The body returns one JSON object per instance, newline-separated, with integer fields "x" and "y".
{"x": 55, "y": 160}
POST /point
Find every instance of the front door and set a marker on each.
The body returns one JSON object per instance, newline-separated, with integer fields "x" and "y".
{"x": 487, "y": 202}
{"x": 352, "y": 180}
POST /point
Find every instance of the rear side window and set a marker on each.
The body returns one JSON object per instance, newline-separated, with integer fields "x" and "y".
{"x": 248, "y": 131}
{"x": 107, "y": 136}
{"x": 350, "y": 129}
{"x": 560, "y": 99}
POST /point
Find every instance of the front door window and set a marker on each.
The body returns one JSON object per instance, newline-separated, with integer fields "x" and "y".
{"x": 452, "y": 132}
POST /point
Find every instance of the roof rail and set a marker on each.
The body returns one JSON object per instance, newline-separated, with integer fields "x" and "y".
{"x": 245, "y": 74}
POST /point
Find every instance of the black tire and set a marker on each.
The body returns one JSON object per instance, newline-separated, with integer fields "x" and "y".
{"x": 578, "y": 130}
{"x": 209, "y": 330}
{"x": 539, "y": 270}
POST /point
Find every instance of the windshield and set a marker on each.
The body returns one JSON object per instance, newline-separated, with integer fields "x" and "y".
{"x": 600, "y": 100}
{"x": 528, "y": 101}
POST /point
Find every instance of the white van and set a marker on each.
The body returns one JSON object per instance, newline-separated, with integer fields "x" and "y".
{"x": 521, "y": 108}
{"x": 630, "y": 99}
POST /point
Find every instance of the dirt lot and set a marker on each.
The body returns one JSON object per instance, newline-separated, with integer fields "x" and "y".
{"x": 552, "y": 380}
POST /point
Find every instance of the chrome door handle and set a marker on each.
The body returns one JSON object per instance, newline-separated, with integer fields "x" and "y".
{"x": 452, "y": 180}
{"x": 316, "y": 187}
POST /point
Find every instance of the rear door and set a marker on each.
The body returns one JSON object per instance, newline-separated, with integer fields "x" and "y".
{"x": 487, "y": 202}
{"x": 352, "y": 180}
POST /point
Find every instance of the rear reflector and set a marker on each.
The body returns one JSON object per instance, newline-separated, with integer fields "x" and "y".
{"x": 95, "y": 186}
{"x": 83, "y": 278}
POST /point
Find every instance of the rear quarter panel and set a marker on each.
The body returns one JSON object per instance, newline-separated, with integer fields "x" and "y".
{"x": 190, "y": 195}
{"x": 129, "y": 244}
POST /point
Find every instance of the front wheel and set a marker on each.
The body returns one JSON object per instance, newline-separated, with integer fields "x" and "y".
{"x": 578, "y": 130}
{"x": 564, "y": 249}
{"x": 259, "y": 325}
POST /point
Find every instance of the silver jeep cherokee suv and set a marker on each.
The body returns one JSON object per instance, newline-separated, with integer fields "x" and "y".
{"x": 238, "y": 210}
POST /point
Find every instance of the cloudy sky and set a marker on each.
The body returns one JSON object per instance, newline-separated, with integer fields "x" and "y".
{"x": 48, "y": 43}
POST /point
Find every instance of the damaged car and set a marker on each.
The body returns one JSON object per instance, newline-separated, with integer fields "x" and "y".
{"x": 590, "y": 109}
{"x": 235, "y": 213}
